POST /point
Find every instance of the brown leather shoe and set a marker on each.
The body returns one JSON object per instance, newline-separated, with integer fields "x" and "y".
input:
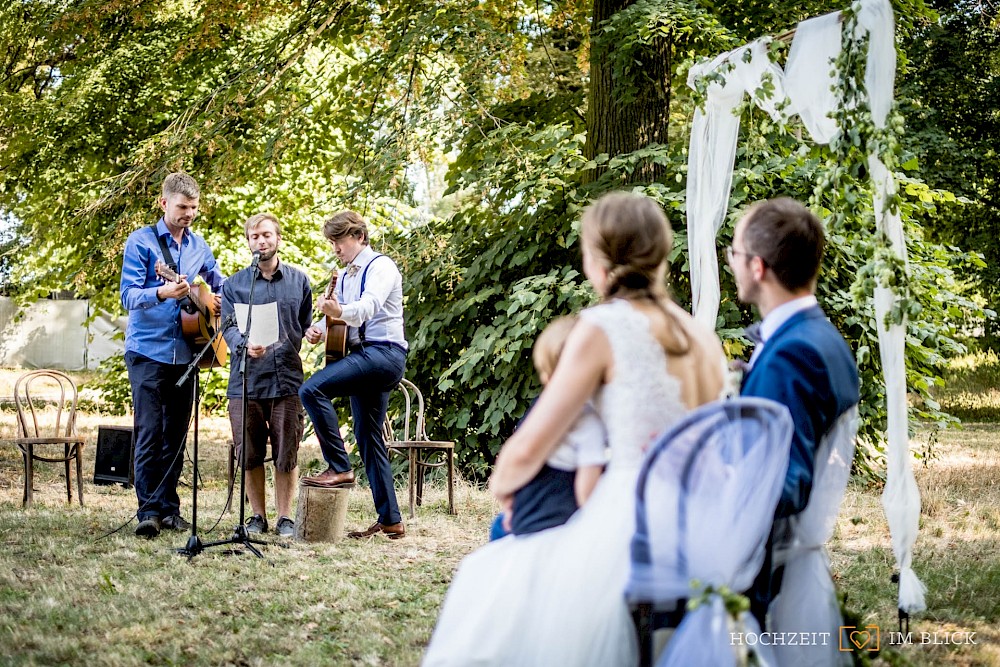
{"x": 393, "y": 531}
{"x": 330, "y": 479}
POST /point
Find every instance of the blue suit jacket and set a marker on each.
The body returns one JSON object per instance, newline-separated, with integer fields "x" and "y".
{"x": 807, "y": 366}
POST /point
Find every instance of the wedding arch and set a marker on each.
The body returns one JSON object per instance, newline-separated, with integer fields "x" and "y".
{"x": 834, "y": 101}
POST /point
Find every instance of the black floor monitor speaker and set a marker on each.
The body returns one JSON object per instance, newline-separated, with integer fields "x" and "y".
{"x": 113, "y": 463}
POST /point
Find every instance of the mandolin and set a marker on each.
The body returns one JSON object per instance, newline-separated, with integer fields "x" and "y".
{"x": 199, "y": 319}
{"x": 336, "y": 330}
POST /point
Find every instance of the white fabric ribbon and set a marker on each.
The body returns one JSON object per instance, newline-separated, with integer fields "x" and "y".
{"x": 807, "y": 602}
{"x": 807, "y": 82}
{"x": 810, "y": 75}
{"x": 710, "y": 160}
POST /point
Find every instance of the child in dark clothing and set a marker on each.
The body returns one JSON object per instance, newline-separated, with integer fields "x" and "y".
{"x": 569, "y": 476}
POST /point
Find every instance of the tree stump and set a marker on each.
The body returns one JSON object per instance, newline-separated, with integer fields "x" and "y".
{"x": 321, "y": 514}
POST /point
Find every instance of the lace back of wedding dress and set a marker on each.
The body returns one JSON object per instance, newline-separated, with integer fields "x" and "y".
{"x": 557, "y": 597}
{"x": 640, "y": 372}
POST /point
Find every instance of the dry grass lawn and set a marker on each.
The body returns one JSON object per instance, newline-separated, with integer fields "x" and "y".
{"x": 70, "y": 594}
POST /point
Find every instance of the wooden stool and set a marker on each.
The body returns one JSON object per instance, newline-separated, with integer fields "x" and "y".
{"x": 321, "y": 514}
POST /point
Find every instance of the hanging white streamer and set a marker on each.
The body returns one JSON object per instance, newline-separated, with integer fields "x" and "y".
{"x": 710, "y": 162}
{"x": 810, "y": 75}
{"x": 901, "y": 497}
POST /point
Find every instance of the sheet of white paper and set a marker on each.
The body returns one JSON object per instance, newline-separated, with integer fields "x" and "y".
{"x": 263, "y": 324}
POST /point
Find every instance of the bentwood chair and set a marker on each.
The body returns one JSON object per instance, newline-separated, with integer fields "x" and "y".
{"x": 46, "y": 418}
{"x": 405, "y": 433}
{"x": 705, "y": 501}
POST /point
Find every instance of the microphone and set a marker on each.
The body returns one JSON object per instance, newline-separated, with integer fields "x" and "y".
{"x": 256, "y": 259}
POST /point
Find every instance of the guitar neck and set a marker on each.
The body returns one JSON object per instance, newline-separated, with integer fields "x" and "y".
{"x": 331, "y": 289}
{"x": 194, "y": 295}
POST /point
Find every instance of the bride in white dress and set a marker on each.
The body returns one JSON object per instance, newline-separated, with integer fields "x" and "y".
{"x": 554, "y": 598}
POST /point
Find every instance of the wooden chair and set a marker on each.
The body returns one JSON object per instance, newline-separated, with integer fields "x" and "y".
{"x": 412, "y": 442}
{"x": 46, "y": 415}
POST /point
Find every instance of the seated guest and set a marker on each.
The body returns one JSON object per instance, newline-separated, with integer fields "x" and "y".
{"x": 556, "y": 597}
{"x": 566, "y": 480}
{"x": 802, "y": 360}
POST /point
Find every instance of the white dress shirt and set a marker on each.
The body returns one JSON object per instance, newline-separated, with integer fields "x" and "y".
{"x": 380, "y": 307}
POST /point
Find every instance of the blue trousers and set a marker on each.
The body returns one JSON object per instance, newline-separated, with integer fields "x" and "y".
{"x": 367, "y": 375}
{"x": 161, "y": 414}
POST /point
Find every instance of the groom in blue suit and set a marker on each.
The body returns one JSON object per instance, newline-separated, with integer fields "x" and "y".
{"x": 801, "y": 361}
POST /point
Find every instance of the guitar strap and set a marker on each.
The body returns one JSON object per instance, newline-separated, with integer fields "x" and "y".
{"x": 364, "y": 276}
{"x": 168, "y": 257}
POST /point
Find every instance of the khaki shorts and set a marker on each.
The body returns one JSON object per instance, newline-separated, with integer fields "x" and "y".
{"x": 282, "y": 420}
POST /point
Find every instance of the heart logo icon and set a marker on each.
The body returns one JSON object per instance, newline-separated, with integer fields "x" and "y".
{"x": 860, "y": 639}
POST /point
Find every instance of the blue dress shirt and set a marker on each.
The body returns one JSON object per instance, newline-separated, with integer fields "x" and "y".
{"x": 154, "y": 328}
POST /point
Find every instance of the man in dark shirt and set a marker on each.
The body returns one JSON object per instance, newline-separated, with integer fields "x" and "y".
{"x": 273, "y": 372}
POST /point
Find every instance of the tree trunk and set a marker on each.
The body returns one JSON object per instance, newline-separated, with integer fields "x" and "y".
{"x": 618, "y": 123}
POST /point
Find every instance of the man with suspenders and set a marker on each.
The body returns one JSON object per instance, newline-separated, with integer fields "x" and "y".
{"x": 369, "y": 298}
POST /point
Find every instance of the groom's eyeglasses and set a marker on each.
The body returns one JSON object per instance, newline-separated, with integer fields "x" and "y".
{"x": 732, "y": 252}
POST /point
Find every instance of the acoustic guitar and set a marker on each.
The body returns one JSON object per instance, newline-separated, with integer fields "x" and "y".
{"x": 336, "y": 330}
{"x": 199, "y": 319}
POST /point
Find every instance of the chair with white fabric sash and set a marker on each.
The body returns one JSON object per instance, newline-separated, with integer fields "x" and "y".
{"x": 707, "y": 493}
{"x": 807, "y": 601}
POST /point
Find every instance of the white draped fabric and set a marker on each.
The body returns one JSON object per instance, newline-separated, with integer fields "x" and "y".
{"x": 710, "y": 161}
{"x": 810, "y": 78}
{"x": 900, "y": 497}
{"x": 807, "y": 601}
{"x": 705, "y": 639}
{"x": 805, "y": 85}
{"x": 705, "y": 502}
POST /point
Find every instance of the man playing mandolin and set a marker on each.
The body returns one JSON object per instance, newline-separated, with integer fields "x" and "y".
{"x": 368, "y": 298}
{"x": 156, "y": 352}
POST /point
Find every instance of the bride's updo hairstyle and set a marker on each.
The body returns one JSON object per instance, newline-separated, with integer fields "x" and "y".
{"x": 630, "y": 235}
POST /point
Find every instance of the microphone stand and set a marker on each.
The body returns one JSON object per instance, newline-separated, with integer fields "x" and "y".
{"x": 240, "y": 534}
{"x": 194, "y": 545}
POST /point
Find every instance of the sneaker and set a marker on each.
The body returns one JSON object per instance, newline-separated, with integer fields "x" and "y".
{"x": 176, "y": 522}
{"x": 148, "y": 528}
{"x": 256, "y": 524}
{"x": 285, "y": 527}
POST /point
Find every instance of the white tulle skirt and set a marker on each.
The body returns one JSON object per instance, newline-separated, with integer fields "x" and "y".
{"x": 551, "y": 598}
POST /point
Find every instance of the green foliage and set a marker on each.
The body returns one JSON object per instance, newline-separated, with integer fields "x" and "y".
{"x": 685, "y": 27}
{"x": 299, "y": 109}
{"x": 950, "y": 100}
{"x": 482, "y": 284}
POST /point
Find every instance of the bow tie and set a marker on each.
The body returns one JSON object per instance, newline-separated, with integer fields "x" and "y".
{"x": 352, "y": 270}
{"x": 752, "y": 332}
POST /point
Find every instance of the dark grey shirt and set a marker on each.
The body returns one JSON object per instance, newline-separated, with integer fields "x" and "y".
{"x": 279, "y": 372}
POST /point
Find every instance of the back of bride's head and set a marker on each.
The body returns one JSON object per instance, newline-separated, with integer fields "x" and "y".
{"x": 630, "y": 237}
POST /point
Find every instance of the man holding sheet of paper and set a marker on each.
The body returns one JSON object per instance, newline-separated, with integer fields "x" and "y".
{"x": 281, "y": 312}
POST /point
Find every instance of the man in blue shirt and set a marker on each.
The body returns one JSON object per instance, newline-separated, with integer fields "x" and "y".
{"x": 369, "y": 299}
{"x": 273, "y": 373}
{"x": 156, "y": 352}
